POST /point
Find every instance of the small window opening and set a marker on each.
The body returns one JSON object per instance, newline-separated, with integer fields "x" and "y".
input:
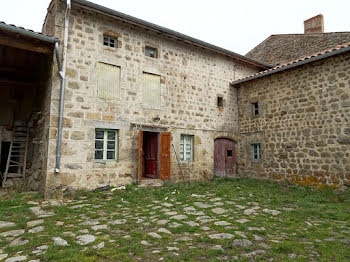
{"x": 255, "y": 108}
{"x": 109, "y": 41}
{"x": 256, "y": 151}
{"x": 229, "y": 152}
{"x": 151, "y": 52}
{"x": 220, "y": 101}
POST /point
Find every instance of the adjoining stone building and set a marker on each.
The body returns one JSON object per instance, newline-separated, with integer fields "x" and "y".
{"x": 283, "y": 48}
{"x": 294, "y": 120}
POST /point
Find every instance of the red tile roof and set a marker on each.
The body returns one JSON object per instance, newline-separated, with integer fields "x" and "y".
{"x": 298, "y": 62}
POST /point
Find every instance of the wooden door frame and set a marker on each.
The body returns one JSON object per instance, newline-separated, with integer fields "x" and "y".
{"x": 164, "y": 156}
{"x": 140, "y": 169}
{"x": 148, "y": 136}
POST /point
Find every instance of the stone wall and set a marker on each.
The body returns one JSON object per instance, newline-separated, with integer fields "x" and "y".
{"x": 192, "y": 78}
{"x": 303, "y": 126}
{"x": 39, "y": 136}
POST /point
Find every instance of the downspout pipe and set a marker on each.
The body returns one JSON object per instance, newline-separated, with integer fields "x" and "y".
{"x": 62, "y": 72}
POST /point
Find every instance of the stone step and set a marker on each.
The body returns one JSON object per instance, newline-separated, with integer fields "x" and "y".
{"x": 148, "y": 182}
{"x": 14, "y": 175}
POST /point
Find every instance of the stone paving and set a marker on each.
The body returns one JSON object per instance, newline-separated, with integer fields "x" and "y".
{"x": 232, "y": 229}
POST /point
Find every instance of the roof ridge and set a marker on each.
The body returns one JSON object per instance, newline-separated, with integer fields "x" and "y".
{"x": 313, "y": 34}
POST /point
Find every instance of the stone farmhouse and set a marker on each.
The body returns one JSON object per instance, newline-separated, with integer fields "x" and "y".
{"x": 103, "y": 98}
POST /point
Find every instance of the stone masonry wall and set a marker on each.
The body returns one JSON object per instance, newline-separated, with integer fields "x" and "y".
{"x": 191, "y": 78}
{"x": 303, "y": 126}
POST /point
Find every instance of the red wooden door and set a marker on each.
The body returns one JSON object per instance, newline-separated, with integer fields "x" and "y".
{"x": 150, "y": 142}
{"x": 224, "y": 157}
{"x": 165, "y": 155}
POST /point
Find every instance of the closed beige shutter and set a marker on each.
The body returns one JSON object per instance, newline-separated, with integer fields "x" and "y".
{"x": 151, "y": 90}
{"x": 108, "y": 85}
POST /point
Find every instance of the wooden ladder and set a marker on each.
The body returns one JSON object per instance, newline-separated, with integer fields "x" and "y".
{"x": 17, "y": 157}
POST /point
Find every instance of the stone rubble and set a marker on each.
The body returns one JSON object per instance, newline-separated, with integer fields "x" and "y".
{"x": 221, "y": 236}
{"x": 85, "y": 239}
{"x": 4, "y": 224}
{"x": 59, "y": 241}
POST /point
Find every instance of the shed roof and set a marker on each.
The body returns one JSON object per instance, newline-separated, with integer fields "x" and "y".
{"x": 27, "y": 32}
{"x": 171, "y": 33}
{"x": 295, "y": 63}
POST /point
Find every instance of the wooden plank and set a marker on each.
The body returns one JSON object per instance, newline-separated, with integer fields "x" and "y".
{"x": 14, "y": 175}
{"x": 165, "y": 138}
{"x": 140, "y": 171}
{"x": 34, "y": 46}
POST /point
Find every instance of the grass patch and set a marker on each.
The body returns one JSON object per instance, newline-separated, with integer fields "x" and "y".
{"x": 311, "y": 225}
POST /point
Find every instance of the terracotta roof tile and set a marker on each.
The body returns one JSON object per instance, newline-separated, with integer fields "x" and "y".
{"x": 323, "y": 54}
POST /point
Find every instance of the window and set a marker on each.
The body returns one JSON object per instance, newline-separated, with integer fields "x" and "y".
{"x": 186, "y": 148}
{"x": 220, "y": 101}
{"x": 110, "y": 41}
{"x": 151, "y": 90}
{"x": 106, "y": 144}
{"x": 151, "y": 52}
{"x": 256, "y": 151}
{"x": 255, "y": 108}
{"x": 229, "y": 152}
{"x": 108, "y": 82}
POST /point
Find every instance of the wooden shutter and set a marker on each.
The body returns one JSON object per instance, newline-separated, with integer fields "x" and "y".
{"x": 151, "y": 90}
{"x": 108, "y": 85}
{"x": 140, "y": 155}
{"x": 165, "y": 155}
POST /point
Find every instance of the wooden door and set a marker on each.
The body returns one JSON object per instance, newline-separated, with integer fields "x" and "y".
{"x": 224, "y": 157}
{"x": 150, "y": 150}
{"x": 165, "y": 155}
{"x": 140, "y": 172}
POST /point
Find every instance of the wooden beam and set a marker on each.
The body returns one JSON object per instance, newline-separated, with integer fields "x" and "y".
{"x": 20, "y": 43}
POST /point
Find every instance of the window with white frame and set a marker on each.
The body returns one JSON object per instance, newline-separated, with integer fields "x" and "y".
{"x": 256, "y": 151}
{"x": 109, "y": 41}
{"x": 186, "y": 148}
{"x": 151, "y": 90}
{"x": 151, "y": 52}
{"x": 106, "y": 144}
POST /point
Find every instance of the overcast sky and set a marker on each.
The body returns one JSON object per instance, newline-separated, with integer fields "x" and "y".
{"x": 235, "y": 25}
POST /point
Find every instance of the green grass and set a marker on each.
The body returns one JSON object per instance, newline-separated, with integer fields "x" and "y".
{"x": 312, "y": 225}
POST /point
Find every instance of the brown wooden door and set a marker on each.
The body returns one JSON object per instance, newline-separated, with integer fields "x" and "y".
{"x": 224, "y": 157}
{"x": 165, "y": 155}
{"x": 150, "y": 151}
{"x": 140, "y": 155}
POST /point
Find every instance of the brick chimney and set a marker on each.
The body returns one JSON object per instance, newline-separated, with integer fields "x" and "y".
{"x": 314, "y": 25}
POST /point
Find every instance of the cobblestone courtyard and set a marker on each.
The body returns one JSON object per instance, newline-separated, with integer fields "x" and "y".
{"x": 221, "y": 220}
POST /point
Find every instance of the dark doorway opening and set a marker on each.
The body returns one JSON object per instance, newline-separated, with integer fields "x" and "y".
{"x": 5, "y": 148}
{"x": 150, "y": 154}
